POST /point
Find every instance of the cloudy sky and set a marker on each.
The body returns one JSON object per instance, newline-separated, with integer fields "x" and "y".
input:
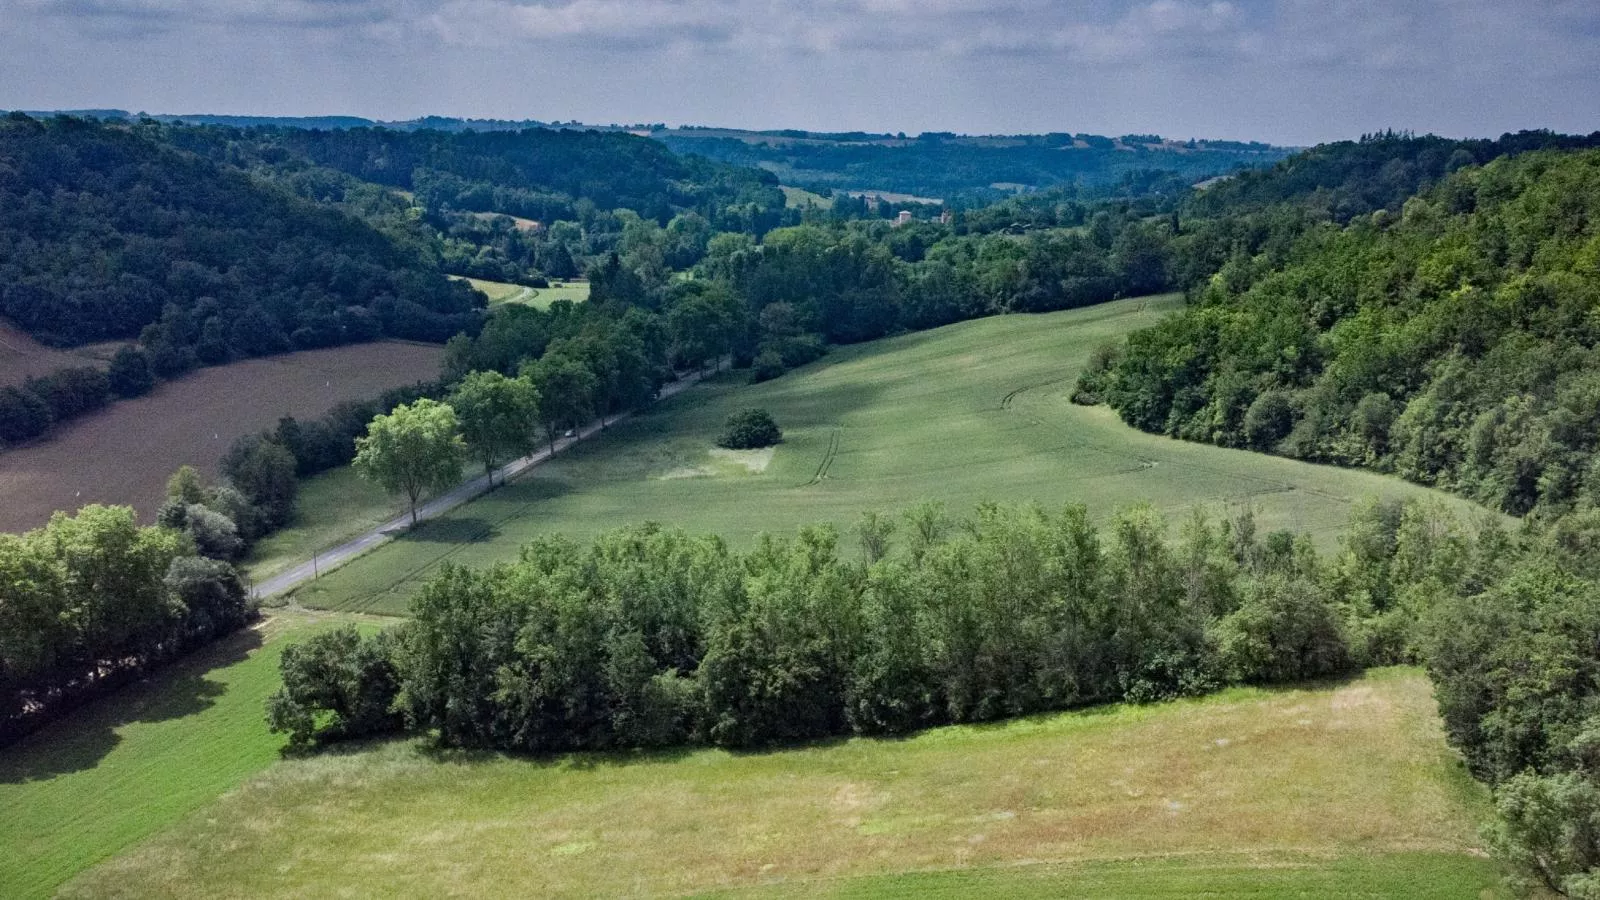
{"x": 1288, "y": 71}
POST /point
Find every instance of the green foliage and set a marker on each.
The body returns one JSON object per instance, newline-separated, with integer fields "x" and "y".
{"x": 1549, "y": 829}
{"x": 129, "y": 374}
{"x": 498, "y": 416}
{"x": 337, "y": 685}
{"x": 748, "y": 429}
{"x": 1451, "y": 344}
{"x": 264, "y": 472}
{"x": 651, "y": 637}
{"x": 413, "y": 450}
{"x": 98, "y": 593}
{"x": 120, "y": 258}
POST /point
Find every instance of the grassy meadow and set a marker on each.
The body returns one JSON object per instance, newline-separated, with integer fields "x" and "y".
{"x": 799, "y": 198}
{"x": 500, "y": 292}
{"x": 1344, "y": 789}
{"x": 970, "y": 412}
{"x": 117, "y": 771}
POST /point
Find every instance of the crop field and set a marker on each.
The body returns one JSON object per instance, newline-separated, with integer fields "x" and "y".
{"x": 499, "y": 292}
{"x": 972, "y": 412}
{"x": 117, "y": 771}
{"x": 125, "y": 452}
{"x": 22, "y": 357}
{"x": 1345, "y": 788}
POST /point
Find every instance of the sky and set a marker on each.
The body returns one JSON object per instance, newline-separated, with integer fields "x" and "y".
{"x": 1287, "y": 71}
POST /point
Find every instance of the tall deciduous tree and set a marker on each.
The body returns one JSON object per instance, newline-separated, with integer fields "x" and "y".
{"x": 498, "y": 416}
{"x": 566, "y": 392}
{"x": 413, "y": 450}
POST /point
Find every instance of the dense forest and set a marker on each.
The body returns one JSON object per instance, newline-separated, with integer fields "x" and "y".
{"x": 1450, "y": 340}
{"x": 974, "y": 169}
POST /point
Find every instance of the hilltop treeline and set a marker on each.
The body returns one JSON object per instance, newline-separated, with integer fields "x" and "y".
{"x": 89, "y": 601}
{"x": 107, "y": 232}
{"x": 1451, "y": 341}
{"x": 947, "y": 166}
{"x": 652, "y": 637}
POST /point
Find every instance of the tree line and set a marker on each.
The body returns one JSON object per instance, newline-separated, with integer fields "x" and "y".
{"x": 653, "y": 637}
{"x": 1451, "y": 342}
{"x": 89, "y": 601}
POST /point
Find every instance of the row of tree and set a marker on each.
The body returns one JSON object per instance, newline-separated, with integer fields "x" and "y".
{"x": 90, "y": 600}
{"x": 652, "y": 637}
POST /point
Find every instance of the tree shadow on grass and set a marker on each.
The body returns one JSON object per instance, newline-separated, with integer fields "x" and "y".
{"x": 81, "y": 738}
{"x": 456, "y": 530}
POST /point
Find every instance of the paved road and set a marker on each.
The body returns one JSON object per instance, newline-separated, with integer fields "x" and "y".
{"x": 328, "y": 559}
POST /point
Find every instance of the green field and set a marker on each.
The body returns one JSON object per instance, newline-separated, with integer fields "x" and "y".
{"x": 960, "y": 414}
{"x": 799, "y": 198}
{"x": 84, "y": 788}
{"x": 500, "y": 292}
{"x": 332, "y": 507}
{"x": 1345, "y": 790}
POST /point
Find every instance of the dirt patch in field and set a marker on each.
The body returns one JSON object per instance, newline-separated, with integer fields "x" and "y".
{"x": 124, "y": 453}
{"x": 22, "y": 357}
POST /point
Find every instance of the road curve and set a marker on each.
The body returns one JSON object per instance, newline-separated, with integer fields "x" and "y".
{"x": 328, "y": 559}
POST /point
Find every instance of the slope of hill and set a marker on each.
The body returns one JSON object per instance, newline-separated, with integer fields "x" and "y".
{"x": 1453, "y": 341}
{"x": 971, "y": 412}
{"x": 104, "y": 232}
{"x": 947, "y": 166}
{"x": 537, "y": 173}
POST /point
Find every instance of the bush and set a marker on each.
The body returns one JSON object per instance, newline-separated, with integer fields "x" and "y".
{"x": 130, "y": 374}
{"x": 748, "y": 429}
{"x": 336, "y": 685}
{"x": 766, "y": 366}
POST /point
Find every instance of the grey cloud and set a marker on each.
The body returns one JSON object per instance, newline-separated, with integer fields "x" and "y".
{"x": 1291, "y": 70}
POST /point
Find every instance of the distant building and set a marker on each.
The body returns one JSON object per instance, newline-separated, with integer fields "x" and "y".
{"x": 945, "y": 217}
{"x": 903, "y": 219}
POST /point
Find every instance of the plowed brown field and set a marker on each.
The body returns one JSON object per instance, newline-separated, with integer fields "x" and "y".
{"x": 124, "y": 453}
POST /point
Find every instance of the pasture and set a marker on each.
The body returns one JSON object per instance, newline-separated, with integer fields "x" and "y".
{"x": 22, "y": 357}
{"x": 1345, "y": 788}
{"x": 500, "y": 292}
{"x": 800, "y": 198}
{"x": 124, "y": 453}
{"x": 117, "y": 771}
{"x": 971, "y": 412}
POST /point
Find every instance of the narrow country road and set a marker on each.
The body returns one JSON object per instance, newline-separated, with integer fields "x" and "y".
{"x": 326, "y": 560}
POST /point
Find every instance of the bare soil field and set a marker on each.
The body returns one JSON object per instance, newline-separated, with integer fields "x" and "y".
{"x": 22, "y": 357}
{"x": 124, "y": 453}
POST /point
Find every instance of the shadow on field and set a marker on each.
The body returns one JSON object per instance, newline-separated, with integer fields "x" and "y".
{"x": 82, "y": 737}
{"x": 452, "y": 531}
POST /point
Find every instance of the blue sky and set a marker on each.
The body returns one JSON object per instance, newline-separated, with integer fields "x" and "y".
{"x": 1288, "y": 71}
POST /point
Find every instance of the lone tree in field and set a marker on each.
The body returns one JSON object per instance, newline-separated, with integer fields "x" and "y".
{"x": 413, "y": 450}
{"x": 748, "y": 429}
{"x": 498, "y": 415}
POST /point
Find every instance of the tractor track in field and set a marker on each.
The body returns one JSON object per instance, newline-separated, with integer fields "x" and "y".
{"x": 1269, "y": 485}
{"x": 828, "y": 456}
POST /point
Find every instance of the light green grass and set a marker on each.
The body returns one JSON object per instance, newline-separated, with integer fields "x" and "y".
{"x": 799, "y": 198}
{"x": 1345, "y": 790}
{"x": 501, "y": 293}
{"x": 971, "y": 412}
{"x": 123, "y": 768}
{"x": 1414, "y": 876}
{"x": 332, "y": 507}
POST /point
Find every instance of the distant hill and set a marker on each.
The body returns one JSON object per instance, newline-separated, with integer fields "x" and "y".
{"x": 106, "y": 232}
{"x": 939, "y": 165}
